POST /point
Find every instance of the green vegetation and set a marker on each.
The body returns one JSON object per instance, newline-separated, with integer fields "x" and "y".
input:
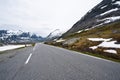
{"x": 33, "y": 44}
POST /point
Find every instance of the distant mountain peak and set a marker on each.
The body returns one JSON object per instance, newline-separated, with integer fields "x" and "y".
{"x": 18, "y": 36}
{"x": 54, "y": 34}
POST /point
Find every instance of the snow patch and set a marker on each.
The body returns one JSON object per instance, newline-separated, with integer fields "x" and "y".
{"x": 60, "y": 40}
{"x": 10, "y": 47}
{"x": 79, "y": 31}
{"x": 111, "y": 51}
{"x": 109, "y": 11}
{"x": 113, "y": 18}
{"x": 93, "y": 47}
{"x": 109, "y": 44}
{"x": 106, "y": 43}
{"x": 83, "y": 30}
{"x": 99, "y": 39}
{"x": 108, "y": 20}
{"x": 118, "y": 2}
{"x": 103, "y": 7}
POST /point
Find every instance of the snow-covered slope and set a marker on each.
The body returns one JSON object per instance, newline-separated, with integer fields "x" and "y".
{"x": 17, "y": 36}
{"x": 54, "y": 34}
{"x": 14, "y": 32}
{"x": 106, "y": 12}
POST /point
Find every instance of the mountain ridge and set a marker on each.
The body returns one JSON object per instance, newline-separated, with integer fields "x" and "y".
{"x": 18, "y": 36}
{"x": 106, "y": 12}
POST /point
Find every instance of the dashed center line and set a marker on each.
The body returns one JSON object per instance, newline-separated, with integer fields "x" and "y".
{"x": 28, "y": 58}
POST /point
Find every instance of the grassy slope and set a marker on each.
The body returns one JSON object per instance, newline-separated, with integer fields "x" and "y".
{"x": 107, "y": 31}
{"x": 82, "y": 45}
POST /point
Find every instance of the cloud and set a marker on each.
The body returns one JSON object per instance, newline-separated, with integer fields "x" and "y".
{"x": 43, "y": 16}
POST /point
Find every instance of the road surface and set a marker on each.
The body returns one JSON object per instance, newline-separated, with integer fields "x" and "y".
{"x": 44, "y": 62}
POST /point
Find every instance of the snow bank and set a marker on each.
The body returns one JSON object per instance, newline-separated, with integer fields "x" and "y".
{"x": 10, "y": 47}
{"x": 106, "y": 43}
{"x": 99, "y": 39}
{"x": 111, "y": 51}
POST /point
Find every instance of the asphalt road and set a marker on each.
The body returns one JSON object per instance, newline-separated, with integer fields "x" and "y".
{"x": 44, "y": 62}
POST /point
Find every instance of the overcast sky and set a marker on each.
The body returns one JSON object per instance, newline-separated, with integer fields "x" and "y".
{"x": 44, "y": 16}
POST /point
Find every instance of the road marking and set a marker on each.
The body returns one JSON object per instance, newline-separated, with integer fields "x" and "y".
{"x": 28, "y": 58}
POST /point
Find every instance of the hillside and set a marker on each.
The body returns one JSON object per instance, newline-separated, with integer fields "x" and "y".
{"x": 100, "y": 41}
{"x": 106, "y": 12}
{"x": 97, "y": 33}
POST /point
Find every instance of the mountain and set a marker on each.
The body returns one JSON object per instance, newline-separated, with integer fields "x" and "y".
{"x": 54, "y": 34}
{"x": 106, "y": 12}
{"x": 18, "y": 36}
{"x": 97, "y": 33}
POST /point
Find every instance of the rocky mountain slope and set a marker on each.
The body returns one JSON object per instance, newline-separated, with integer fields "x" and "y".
{"x": 106, "y": 12}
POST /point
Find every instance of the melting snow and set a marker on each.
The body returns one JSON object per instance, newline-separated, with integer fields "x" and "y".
{"x": 109, "y": 44}
{"x": 111, "y": 51}
{"x": 79, "y": 31}
{"x": 93, "y": 47}
{"x": 10, "y": 47}
{"x": 113, "y": 18}
{"x": 106, "y": 43}
{"x": 118, "y": 2}
{"x": 99, "y": 39}
{"x": 60, "y": 40}
{"x": 109, "y": 11}
{"x": 83, "y": 30}
{"x": 103, "y": 7}
{"x": 108, "y": 20}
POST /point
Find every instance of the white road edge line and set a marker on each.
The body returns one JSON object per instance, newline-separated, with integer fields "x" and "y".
{"x": 94, "y": 57}
{"x": 28, "y": 58}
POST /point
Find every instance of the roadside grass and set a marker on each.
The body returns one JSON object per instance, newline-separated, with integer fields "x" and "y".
{"x": 82, "y": 45}
{"x": 89, "y": 53}
{"x": 33, "y": 44}
{"x": 101, "y": 56}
